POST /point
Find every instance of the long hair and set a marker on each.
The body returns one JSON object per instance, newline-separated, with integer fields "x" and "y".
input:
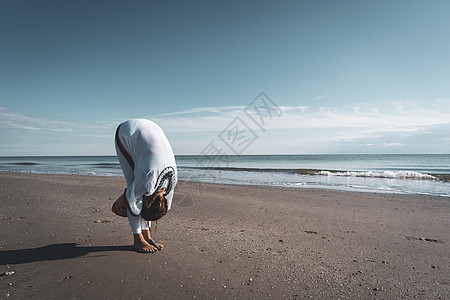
{"x": 154, "y": 206}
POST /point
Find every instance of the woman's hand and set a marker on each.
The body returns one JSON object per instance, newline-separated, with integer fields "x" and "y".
{"x": 119, "y": 207}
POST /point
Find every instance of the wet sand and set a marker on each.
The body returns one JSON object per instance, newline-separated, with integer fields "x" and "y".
{"x": 59, "y": 239}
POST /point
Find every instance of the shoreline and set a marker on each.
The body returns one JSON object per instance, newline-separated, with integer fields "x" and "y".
{"x": 302, "y": 187}
{"x": 222, "y": 241}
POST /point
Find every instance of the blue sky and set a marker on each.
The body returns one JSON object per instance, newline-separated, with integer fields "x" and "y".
{"x": 347, "y": 76}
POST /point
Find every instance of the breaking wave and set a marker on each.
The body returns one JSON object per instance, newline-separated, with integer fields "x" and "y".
{"x": 385, "y": 174}
{"x": 317, "y": 172}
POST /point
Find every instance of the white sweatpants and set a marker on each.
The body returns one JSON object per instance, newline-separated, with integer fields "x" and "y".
{"x": 137, "y": 223}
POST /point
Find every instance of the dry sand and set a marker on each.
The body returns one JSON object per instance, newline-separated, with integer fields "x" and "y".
{"x": 59, "y": 240}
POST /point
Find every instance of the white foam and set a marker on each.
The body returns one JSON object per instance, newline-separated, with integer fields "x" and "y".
{"x": 385, "y": 174}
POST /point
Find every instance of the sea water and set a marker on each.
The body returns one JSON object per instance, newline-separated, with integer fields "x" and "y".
{"x": 418, "y": 173}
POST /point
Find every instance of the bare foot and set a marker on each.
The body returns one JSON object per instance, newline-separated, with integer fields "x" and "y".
{"x": 141, "y": 245}
{"x": 148, "y": 239}
{"x": 144, "y": 247}
{"x": 159, "y": 246}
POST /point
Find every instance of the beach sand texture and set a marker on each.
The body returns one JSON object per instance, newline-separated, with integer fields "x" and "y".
{"x": 59, "y": 239}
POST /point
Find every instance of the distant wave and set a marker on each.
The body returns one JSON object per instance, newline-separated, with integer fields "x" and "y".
{"x": 385, "y": 174}
{"x": 106, "y": 165}
{"x": 368, "y": 174}
{"x": 23, "y": 163}
{"x": 298, "y": 171}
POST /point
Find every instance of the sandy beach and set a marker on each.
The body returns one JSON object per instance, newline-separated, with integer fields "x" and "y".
{"x": 59, "y": 239}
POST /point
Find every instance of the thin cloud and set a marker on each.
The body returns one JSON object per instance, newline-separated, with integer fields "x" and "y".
{"x": 393, "y": 117}
{"x": 10, "y": 120}
{"x": 376, "y": 133}
{"x": 202, "y": 110}
{"x": 321, "y": 97}
{"x": 393, "y": 125}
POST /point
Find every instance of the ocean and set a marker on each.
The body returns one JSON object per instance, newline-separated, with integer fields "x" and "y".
{"x": 379, "y": 173}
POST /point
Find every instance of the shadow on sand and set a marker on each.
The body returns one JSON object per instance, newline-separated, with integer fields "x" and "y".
{"x": 53, "y": 252}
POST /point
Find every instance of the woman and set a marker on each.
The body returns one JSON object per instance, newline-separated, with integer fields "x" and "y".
{"x": 149, "y": 167}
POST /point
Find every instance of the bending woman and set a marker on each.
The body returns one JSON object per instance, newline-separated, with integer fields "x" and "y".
{"x": 149, "y": 167}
